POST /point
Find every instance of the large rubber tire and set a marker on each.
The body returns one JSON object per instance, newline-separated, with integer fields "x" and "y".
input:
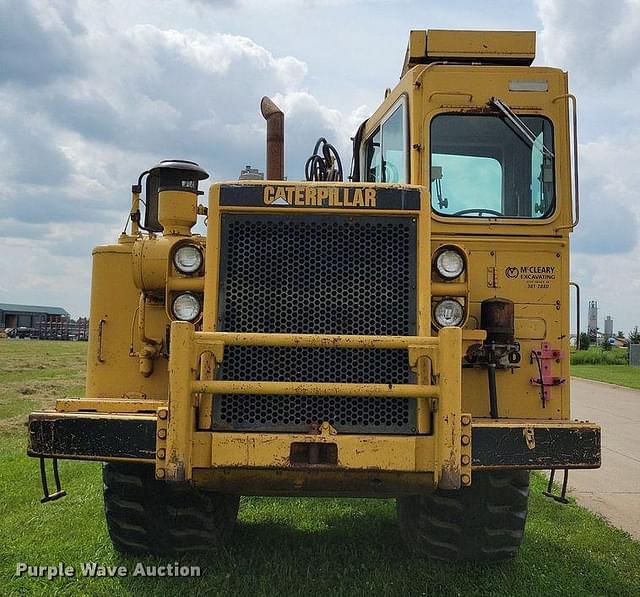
{"x": 483, "y": 522}
{"x": 146, "y": 516}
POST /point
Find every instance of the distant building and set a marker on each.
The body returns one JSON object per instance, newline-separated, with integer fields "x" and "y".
{"x": 608, "y": 327}
{"x": 29, "y": 316}
{"x": 250, "y": 173}
{"x": 592, "y": 329}
{"x": 43, "y": 323}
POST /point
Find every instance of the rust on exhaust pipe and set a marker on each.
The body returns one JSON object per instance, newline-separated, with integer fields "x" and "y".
{"x": 275, "y": 139}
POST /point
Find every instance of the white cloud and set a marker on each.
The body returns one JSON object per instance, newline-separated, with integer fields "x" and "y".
{"x": 609, "y": 196}
{"x": 216, "y": 54}
{"x": 92, "y": 93}
{"x": 109, "y": 102}
{"x": 308, "y": 119}
{"x": 598, "y": 42}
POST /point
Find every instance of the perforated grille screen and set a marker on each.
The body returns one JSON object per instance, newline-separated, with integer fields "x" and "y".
{"x": 318, "y": 274}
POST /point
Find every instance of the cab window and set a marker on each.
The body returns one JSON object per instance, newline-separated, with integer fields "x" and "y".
{"x": 385, "y": 150}
{"x": 482, "y": 167}
{"x": 374, "y": 158}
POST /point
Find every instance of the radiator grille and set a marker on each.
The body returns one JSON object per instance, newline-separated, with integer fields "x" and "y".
{"x": 318, "y": 274}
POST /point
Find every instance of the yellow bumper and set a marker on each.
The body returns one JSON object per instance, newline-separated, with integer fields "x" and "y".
{"x": 444, "y": 454}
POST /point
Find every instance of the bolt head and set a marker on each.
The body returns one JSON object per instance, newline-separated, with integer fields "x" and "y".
{"x": 163, "y": 413}
{"x": 162, "y": 433}
{"x": 162, "y": 453}
{"x": 466, "y": 479}
{"x": 466, "y": 419}
{"x": 160, "y": 473}
{"x": 465, "y": 459}
{"x": 466, "y": 440}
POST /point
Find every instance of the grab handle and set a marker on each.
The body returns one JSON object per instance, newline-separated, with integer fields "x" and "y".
{"x": 100, "y": 334}
{"x": 576, "y": 188}
{"x": 575, "y": 285}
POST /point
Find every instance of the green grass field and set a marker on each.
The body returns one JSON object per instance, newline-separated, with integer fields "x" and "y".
{"x": 610, "y": 366}
{"x": 622, "y": 375}
{"x": 282, "y": 546}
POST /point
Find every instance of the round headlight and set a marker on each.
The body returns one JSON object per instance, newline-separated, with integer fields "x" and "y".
{"x": 448, "y": 312}
{"x": 450, "y": 264}
{"x": 186, "y": 307}
{"x": 187, "y": 259}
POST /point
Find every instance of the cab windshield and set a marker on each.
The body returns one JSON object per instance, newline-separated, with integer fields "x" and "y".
{"x": 483, "y": 166}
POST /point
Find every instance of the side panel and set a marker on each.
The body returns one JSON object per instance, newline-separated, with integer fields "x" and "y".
{"x": 526, "y": 261}
{"x": 534, "y": 274}
{"x": 111, "y": 371}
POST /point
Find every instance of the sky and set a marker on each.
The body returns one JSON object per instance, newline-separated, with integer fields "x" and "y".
{"x": 93, "y": 92}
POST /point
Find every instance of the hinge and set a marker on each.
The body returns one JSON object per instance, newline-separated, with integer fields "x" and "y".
{"x": 492, "y": 277}
{"x": 215, "y": 352}
{"x": 465, "y": 449}
{"x": 529, "y": 437}
{"x": 417, "y": 352}
{"x": 162, "y": 426}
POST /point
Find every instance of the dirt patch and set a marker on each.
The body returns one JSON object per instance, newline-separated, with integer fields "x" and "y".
{"x": 14, "y": 423}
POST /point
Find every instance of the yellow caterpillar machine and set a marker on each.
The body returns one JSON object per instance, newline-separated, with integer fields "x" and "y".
{"x": 404, "y": 334}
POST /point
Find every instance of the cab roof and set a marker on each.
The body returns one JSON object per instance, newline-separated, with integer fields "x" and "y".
{"x": 488, "y": 47}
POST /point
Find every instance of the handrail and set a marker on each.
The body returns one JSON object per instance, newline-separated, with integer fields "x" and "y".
{"x": 304, "y": 388}
{"x": 314, "y": 340}
{"x": 576, "y": 186}
{"x": 577, "y": 287}
{"x": 100, "y": 334}
{"x": 441, "y": 92}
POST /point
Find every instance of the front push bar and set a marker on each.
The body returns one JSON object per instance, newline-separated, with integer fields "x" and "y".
{"x": 444, "y": 353}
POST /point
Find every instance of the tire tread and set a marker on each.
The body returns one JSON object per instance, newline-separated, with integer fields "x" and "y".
{"x": 145, "y": 516}
{"x": 485, "y": 521}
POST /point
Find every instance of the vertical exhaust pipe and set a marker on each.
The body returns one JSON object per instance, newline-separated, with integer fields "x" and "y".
{"x": 275, "y": 138}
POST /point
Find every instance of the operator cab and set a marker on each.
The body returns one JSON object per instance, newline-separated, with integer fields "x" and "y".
{"x": 482, "y": 156}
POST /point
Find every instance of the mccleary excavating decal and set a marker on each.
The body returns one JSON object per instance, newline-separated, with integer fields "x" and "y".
{"x": 531, "y": 272}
